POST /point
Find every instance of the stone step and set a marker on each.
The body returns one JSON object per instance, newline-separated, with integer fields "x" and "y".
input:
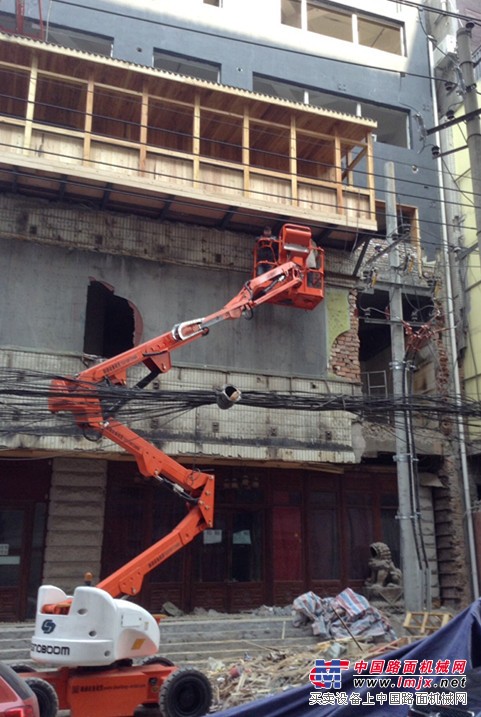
{"x": 193, "y": 640}
{"x": 15, "y": 641}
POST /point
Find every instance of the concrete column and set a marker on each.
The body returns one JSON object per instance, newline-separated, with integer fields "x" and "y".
{"x": 75, "y": 521}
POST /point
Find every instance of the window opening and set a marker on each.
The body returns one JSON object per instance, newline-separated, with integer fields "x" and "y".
{"x": 246, "y": 559}
{"x": 18, "y": 24}
{"x": 291, "y": 13}
{"x": 393, "y": 124}
{"x": 109, "y": 322}
{"x": 78, "y": 40}
{"x": 185, "y": 65}
{"x": 342, "y": 24}
{"x": 326, "y": 21}
{"x": 379, "y": 35}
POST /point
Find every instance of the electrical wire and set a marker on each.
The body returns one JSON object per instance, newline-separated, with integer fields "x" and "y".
{"x": 24, "y": 396}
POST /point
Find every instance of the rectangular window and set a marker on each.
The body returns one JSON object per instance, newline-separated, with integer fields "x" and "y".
{"x": 24, "y": 26}
{"x": 184, "y": 65}
{"x": 393, "y": 124}
{"x": 77, "y": 40}
{"x": 379, "y": 35}
{"x": 291, "y": 13}
{"x": 327, "y": 19}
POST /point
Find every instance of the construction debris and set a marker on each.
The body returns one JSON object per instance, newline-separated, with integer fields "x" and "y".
{"x": 253, "y": 678}
{"x": 348, "y": 626}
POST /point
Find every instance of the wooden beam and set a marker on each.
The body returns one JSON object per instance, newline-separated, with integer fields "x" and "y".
{"x": 293, "y": 160}
{"x": 196, "y": 141}
{"x": 370, "y": 177}
{"x": 338, "y": 174}
{"x": 246, "y": 150}
{"x": 32, "y": 88}
{"x": 144, "y": 123}
{"x": 89, "y": 105}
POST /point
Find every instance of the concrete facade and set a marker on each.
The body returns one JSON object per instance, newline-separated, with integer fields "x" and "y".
{"x": 170, "y": 270}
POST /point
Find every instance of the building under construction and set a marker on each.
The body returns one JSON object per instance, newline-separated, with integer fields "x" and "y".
{"x": 134, "y": 180}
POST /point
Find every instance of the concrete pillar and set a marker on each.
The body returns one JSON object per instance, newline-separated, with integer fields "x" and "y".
{"x": 75, "y": 521}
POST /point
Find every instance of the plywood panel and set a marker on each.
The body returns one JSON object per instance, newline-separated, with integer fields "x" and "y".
{"x": 121, "y": 160}
{"x": 52, "y": 146}
{"x": 317, "y": 198}
{"x": 175, "y": 170}
{"x": 356, "y": 205}
{"x": 11, "y": 137}
{"x": 220, "y": 180}
{"x": 270, "y": 189}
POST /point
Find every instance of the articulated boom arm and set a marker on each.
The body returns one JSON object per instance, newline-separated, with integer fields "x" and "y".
{"x": 80, "y": 396}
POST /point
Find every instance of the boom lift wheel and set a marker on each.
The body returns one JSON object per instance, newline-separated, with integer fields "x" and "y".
{"x": 46, "y": 696}
{"x": 185, "y": 693}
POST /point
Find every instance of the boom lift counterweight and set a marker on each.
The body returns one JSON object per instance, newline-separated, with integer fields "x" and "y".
{"x": 94, "y": 628}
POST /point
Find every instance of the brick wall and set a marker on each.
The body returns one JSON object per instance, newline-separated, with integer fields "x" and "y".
{"x": 449, "y": 503}
{"x": 344, "y": 358}
{"x": 453, "y": 565}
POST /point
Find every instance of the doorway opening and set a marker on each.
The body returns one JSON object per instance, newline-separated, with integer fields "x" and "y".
{"x": 109, "y": 322}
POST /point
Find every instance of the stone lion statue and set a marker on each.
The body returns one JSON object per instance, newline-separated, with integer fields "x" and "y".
{"x": 383, "y": 571}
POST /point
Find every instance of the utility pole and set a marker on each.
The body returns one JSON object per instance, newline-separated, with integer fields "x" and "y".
{"x": 473, "y": 140}
{"x": 407, "y": 511}
{"x": 473, "y": 124}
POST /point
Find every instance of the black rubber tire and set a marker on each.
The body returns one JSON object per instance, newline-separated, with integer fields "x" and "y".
{"x": 46, "y": 696}
{"x": 22, "y": 668}
{"x": 158, "y": 661}
{"x": 185, "y": 693}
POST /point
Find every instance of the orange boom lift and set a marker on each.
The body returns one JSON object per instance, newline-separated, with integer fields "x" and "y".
{"x": 100, "y": 648}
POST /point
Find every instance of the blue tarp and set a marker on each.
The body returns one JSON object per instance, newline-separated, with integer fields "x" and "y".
{"x": 460, "y": 639}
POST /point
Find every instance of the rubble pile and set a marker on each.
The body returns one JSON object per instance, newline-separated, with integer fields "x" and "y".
{"x": 255, "y": 677}
{"x": 347, "y": 625}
